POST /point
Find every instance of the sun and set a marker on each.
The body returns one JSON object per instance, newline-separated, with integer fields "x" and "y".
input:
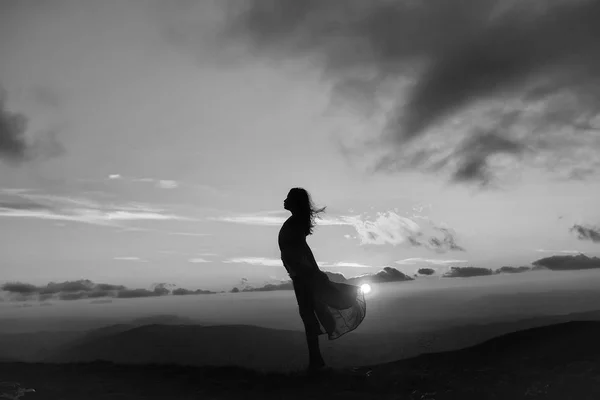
{"x": 365, "y": 288}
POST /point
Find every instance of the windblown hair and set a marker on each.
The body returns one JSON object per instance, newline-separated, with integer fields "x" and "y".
{"x": 305, "y": 209}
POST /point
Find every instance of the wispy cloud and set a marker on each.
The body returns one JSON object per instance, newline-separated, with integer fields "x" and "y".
{"x": 385, "y": 228}
{"x": 273, "y": 262}
{"x": 166, "y": 184}
{"x": 419, "y": 260}
{"x": 391, "y": 228}
{"x": 81, "y": 210}
{"x": 346, "y": 264}
{"x": 264, "y": 218}
{"x": 198, "y": 260}
{"x": 558, "y": 251}
{"x": 269, "y": 262}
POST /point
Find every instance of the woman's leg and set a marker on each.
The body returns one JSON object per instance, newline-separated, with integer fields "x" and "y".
{"x": 312, "y": 326}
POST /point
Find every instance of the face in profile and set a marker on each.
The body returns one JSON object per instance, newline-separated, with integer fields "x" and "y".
{"x": 290, "y": 203}
{"x": 287, "y": 203}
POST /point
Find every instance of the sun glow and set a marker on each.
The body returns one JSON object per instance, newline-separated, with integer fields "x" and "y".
{"x": 365, "y": 288}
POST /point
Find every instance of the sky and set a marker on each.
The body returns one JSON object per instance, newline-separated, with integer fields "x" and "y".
{"x": 146, "y": 141}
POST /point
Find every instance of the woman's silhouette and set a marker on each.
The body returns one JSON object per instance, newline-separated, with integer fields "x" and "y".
{"x": 338, "y": 308}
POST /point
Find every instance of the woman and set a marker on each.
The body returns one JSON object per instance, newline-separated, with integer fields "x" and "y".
{"x": 337, "y": 308}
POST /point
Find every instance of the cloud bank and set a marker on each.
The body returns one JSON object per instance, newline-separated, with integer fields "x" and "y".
{"x": 468, "y": 87}
{"x": 86, "y": 289}
{"x": 387, "y": 274}
{"x": 568, "y": 263}
{"x": 467, "y": 272}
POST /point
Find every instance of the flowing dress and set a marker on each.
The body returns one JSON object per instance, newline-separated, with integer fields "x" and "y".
{"x": 339, "y": 307}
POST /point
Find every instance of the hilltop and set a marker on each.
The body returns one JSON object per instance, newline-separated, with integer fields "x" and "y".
{"x": 559, "y": 361}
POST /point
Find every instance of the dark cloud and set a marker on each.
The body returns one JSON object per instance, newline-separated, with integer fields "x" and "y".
{"x": 387, "y": 274}
{"x": 587, "y": 233}
{"x": 467, "y": 272}
{"x": 86, "y": 289}
{"x": 19, "y": 288}
{"x": 14, "y": 146}
{"x": 68, "y": 287}
{"x": 568, "y": 263}
{"x": 269, "y": 287}
{"x": 13, "y": 126}
{"x": 451, "y": 57}
{"x": 135, "y": 293}
{"x": 426, "y": 271}
{"x": 182, "y": 291}
{"x": 474, "y": 153}
{"x": 512, "y": 270}
{"x": 72, "y": 295}
{"x": 108, "y": 286}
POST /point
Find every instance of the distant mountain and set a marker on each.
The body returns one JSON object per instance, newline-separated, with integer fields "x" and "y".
{"x": 36, "y": 346}
{"x": 246, "y": 346}
{"x": 550, "y": 343}
{"x": 272, "y": 349}
{"x": 31, "y": 347}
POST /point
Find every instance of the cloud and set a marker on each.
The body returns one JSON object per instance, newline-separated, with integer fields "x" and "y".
{"x": 269, "y": 262}
{"x": 391, "y": 228}
{"x": 467, "y": 272}
{"x": 267, "y": 218}
{"x": 384, "y": 228}
{"x": 81, "y": 210}
{"x": 419, "y": 260}
{"x": 387, "y": 274}
{"x": 13, "y": 126}
{"x": 136, "y": 259}
{"x": 346, "y": 264}
{"x": 183, "y": 292}
{"x": 426, "y": 271}
{"x": 568, "y": 263}
{"x": 86, "y": 289}
{"x": 559, "y": 251}
{"x": 198, "y": 260}
{"x": 275, "y": 262}
{"x": 20, "y": 288}
{"x": 587, "y": 233}
{"x": 512, "y": 270}
{"x": 14, "y": 146}
{"x": 484, "y": 89}
{"x": 166, "y": 184}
